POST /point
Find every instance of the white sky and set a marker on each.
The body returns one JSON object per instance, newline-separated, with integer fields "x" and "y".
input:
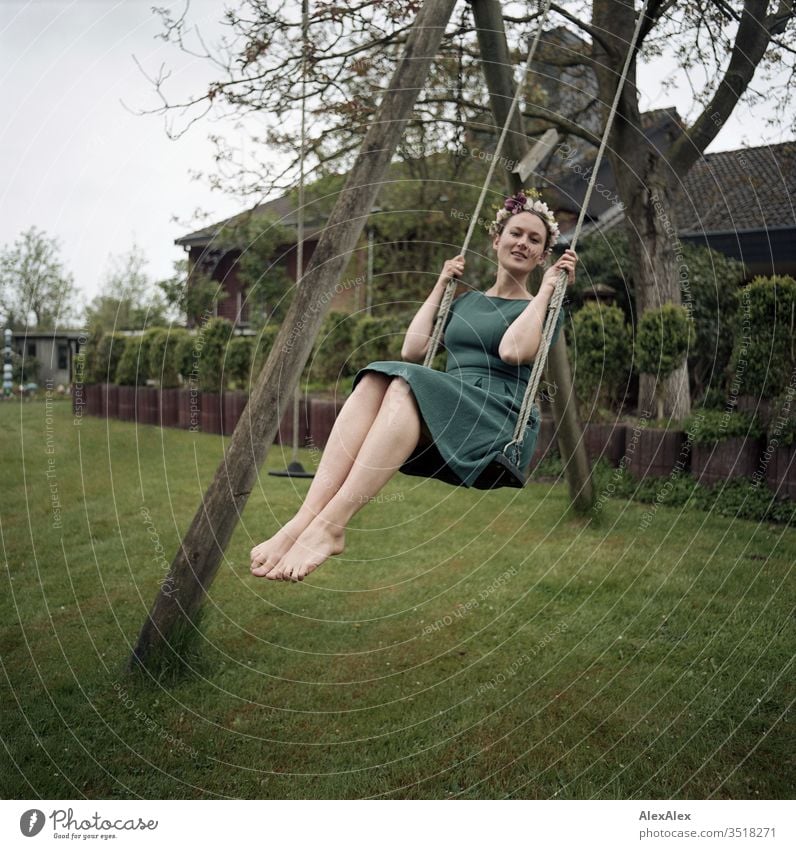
{"x": 79, "y": 166}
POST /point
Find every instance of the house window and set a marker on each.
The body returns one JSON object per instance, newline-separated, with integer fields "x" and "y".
{"x": 63, "y": 357}
{"x": 31, "y": 349}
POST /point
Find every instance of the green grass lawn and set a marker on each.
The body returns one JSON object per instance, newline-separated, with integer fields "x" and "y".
{"x": 467, "y": 644}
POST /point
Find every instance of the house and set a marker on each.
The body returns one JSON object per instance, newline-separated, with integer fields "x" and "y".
{"x": 205, "y": 254}
{"x": 741, "y": 204}
{"x": 55, "y": 352}
{"x": 737, "y": 202}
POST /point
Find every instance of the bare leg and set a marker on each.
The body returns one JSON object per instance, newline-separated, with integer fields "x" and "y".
{"x": 350, "y": 429}
{"x": 392, "y": 438}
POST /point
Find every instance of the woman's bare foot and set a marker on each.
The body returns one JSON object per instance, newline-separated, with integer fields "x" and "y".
{"x": 320, "y": 541}
{"x": 267, "y": 555}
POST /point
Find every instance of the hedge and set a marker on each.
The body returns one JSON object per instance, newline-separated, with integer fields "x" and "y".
{"x": 375, "y": 338}
{"x": 708, "y": 426}
{"x": 128, "y": 370}
{"x": 237, "y": 369}
{"x": 212, "y": 341}
{"x": 602, "y": 351}
{"x": 764, "y": 354}
{"x": 163, "y": 365}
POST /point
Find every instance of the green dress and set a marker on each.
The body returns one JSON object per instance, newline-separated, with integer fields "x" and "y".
{"x": 471, "y": 408}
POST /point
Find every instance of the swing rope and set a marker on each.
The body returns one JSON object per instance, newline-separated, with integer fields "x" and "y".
{"x": 512, "y": 449}
{"x": 294, "y": 468}
{"x": 447, "y": 297}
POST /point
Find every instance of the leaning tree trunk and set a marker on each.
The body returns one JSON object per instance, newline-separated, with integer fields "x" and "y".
{"x": 499, "y": 76}
{"x": 646, "y": 186}
{"x": 198, "y": 558}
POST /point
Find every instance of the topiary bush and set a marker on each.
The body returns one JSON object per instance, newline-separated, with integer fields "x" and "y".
{"x": 764, "y": 353}
{"x": 87, "y": 369}
{"x": 663, "y": 338}
{"x": 212, "y": 342}
{"x": 603, "y": 347}
{"x": 708, "y": 426}
{"x": 262, "y": 348}
{"x": 376, "y": 338}
{"x": 330, "y": 359}
{"x": 109, "y": 352}
{"x": 186, "y": 356}
{"x": 239, "y": 361}
{"x": 128, "y": 370}
{"x": 162, "y": 355}
{"x": 782, "y": 420}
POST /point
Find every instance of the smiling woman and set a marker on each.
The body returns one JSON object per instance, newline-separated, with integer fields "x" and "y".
{"x": 404, "y": 416}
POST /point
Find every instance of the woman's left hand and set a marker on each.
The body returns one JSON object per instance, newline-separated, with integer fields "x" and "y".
{"x": 566, "y": 262}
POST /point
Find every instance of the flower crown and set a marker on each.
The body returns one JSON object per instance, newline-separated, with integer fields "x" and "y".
{"x": 520, "y": 202}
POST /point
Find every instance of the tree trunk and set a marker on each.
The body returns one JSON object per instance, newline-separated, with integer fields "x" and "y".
{"x": 497, "y": 67}
{"x": 197, "y": 560}
{"x": 647, "y": 188}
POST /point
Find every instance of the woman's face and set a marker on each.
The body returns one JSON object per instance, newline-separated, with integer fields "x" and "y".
{"x": 521, "y": 245}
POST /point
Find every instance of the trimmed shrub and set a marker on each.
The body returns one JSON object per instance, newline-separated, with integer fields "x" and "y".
{"x": 162, "y": 357}
{"x": 86, "y": 363}
{"x": 239, "y": 361}
{"x": 330, "y": 360}
{"x": 709, "y": 283}
{"x": 262, "y": 348}
{"x": 764, "y": 354}
{"x": 213, "y": 339}
{"x": 603, "y": 349}
{"x": 662, "y": 341}
{"x": 109, "y": 352}
{"x": 147, "y": 338}
{"x": 782, "y": 421}
{"x": 128, "y": 370}
{"x": 375, "y": 339}
{"x": 185, "y": 355}
{"x": 708, "y": 426}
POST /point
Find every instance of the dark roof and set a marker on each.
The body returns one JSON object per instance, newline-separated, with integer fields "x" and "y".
{"x": 281, "y": 209}
{"x": 736, "y": 190}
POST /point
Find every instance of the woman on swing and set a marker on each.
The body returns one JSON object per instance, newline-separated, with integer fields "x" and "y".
{"x": 448, "y": 425}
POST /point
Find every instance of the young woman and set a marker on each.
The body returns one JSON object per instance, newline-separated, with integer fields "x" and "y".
{"x": 448, "y": 425}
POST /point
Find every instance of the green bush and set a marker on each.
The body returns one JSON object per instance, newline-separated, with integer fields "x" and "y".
{"x": 740, "y": 498}
{"x": 603, "y": 347}
{"x": 764, "y": 354}
{"x": 708, "y": 426}
{"x": 330, "y": 358}
{"x": 239, "y": 361}
{"x": 87, "y": 369}
{"x": 106, "y": 361}
{"x": 709, "y": 283}
{"x": 376, "y": 338}
{"x": 128, "y": 370}
{"x": 24, "y": 370}
{"x": 662, "y": 341}
{"x": 163, "y": 365}
{"x": 185, "y": 355}
{"x": 782, "y": 420}
{"x": 144, "y": 365}
{"x": 212, "y": 342}
{"x": 262, "y": 348}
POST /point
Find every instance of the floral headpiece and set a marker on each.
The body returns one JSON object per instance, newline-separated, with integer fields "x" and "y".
{"x": 520, "y": 202}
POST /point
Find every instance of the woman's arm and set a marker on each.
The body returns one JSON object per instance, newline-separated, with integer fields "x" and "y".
{"x": 418, "y": 334}
{"x": 520, "y": 343}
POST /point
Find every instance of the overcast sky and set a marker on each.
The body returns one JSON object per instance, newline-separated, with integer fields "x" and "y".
{"x": 79, "y": 166}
